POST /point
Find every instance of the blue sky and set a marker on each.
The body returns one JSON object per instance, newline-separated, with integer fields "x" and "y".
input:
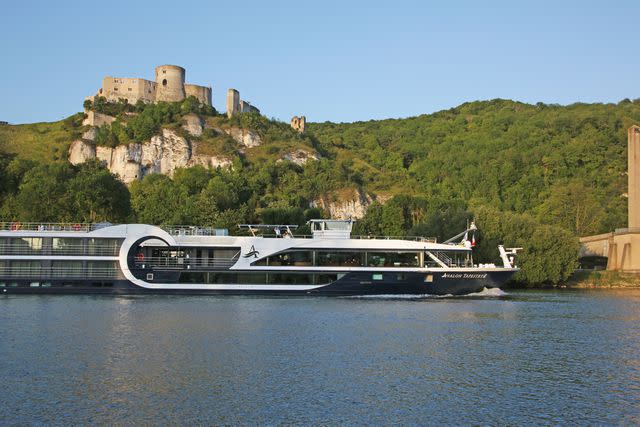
{"x": 331, "y": 60}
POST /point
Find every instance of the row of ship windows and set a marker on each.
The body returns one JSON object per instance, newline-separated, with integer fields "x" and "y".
{"x": 342, "y": 259}
{"x": 59, "y": 269}
{"x": 272, "y": 278}
{"x": 56, "y": 284}
{"x": 58, "y": 246}
{"x": 259, "y": 278}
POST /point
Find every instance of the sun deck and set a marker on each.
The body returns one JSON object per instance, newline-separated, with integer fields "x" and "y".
{"x": 329, "y": 230}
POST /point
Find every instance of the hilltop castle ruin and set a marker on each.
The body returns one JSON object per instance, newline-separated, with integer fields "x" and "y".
{"x": 169, "y": 86}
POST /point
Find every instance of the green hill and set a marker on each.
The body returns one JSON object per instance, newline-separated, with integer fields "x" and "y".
{"x": 536, "y": 175}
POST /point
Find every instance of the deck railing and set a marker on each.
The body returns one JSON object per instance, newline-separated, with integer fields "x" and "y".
{"x": 59, "y": 273}
{"x": 190, "y": 230}
{"x": 69, "y": 250}
{"x": 174, "y": 230}
{"x": 49, "y": 226}
{"x": 184, "y": 263}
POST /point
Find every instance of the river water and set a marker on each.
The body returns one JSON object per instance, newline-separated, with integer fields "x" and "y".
{"x": 543, "y": 357}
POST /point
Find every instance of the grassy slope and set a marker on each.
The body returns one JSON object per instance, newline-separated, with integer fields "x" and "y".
{"x": 43, "y": 142}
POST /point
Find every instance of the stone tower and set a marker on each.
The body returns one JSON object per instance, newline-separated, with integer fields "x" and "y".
{"x": 233, "y": 102}
{"x": 299, "y": 123}
{"x": 170, "y": 83}
{"x": 633, "y": 169}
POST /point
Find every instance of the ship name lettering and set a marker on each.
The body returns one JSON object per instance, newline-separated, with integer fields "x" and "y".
{"x": 464, "y": 275}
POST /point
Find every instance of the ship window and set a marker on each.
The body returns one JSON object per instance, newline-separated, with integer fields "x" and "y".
{"x": 5, "y": 244}
{"x": 195, "y": 277}
{"x": 107, "y": 247}
{"x": 290, "y": 278}
{"x": 23, "y": 245}
{"x": 261, "y": 278}
{"x": 102, "y": 269}
{"x": 428, "y": 278}
{"x": 337, "y": 226}
{"x": 376, "y": 276}
{"x": 324, "y": 279}
{"x": 26, "y": 268}
{"x": 393, "y": 259}
{"x": 343, "y": 259}
{"x": 66, "y": 246}
{"x": 67, "y": 269}
{"x": 289, "y": 258}
{"x": 223, "y": 278}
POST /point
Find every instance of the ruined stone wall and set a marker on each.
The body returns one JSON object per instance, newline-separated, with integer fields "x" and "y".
{"x": 97, "y": 119}
{"x": 633, "y": 172}
{"x": 170, "y": 83}
{"x": 246, "y": 107}
{"x": 299, "y": 123}
{"x": 233, "y": 102}
{"x": 131, "y": 89}
{"x": 202, "y": 93}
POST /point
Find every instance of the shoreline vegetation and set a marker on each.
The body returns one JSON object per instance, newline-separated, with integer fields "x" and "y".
{"x": 602, "y": 279}
{"x": 531, "y": 176}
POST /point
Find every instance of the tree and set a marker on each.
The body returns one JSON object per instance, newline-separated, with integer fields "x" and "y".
{"x": 95, "y": 195}
{"x": 573, "y": 206}
{"x": 156, "y": 199}
{"x": 193, "y": 179}
{"x": 549, "y": 254}
{"x": 42, "y": 195}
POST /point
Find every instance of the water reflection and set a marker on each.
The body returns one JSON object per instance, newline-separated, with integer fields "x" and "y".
{"x": 542, "y": 357}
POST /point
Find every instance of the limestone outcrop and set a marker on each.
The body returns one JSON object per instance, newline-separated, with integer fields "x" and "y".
{"x": 162, "y": 154}
{"x": 244, "y": 137}
{"x": 300, "y": 156}
{"x": 193, "y": 124}
{"x": 349, "y": 203}
{"x": 80, "y": 152}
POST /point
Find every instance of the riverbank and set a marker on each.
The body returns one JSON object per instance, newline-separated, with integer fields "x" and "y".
{"x": 603, "y": 279}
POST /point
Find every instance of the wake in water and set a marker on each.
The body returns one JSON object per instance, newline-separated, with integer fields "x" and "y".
{"x": 485, "y": 293}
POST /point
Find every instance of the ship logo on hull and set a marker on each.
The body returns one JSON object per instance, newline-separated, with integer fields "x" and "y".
{"x": 251, "y": 253}
{"x": 464, "y": 276}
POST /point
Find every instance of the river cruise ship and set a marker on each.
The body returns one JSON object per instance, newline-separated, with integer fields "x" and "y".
{"x": 137, "y": 258}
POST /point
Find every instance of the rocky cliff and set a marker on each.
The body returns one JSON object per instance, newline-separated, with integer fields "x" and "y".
{"x": 164, "y": 153}
{"x": 345, "y": 204}
{"x": 172, "y": 148}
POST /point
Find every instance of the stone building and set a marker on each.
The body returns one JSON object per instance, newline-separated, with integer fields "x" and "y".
{"x": 236, "y": 105}
{"x": 298, "y": 123}
{"x": 621, "y": 248}
{"x": 169, "y": 85}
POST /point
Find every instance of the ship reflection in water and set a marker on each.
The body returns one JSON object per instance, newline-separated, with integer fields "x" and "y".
{"x": 514, "y": 358}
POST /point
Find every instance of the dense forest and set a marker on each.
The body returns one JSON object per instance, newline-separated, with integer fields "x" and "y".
{"x": 535, "y": 176}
